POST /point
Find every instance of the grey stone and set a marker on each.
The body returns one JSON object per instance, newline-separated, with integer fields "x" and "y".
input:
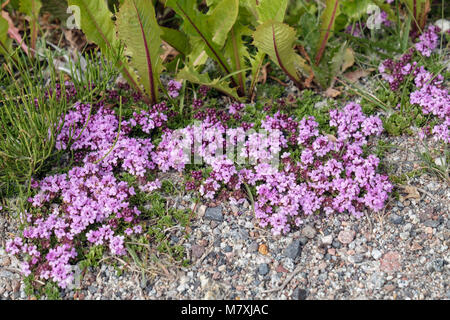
{"x": 357, "y": 258}
{"x": 396, "y": 219}
{"x": 308, "y": 232}
{"x": 377, "y": 279}
{"x": 228, "y": 249}
{"x": 92, "y": 289}
{"x": 448, "y": 224}
{"x": 431, "y": 223}
{"x": 293, "y": 250}
{"x": 299, "y": 294}
{"x": 263, "y": 269}
{"x": 214, "y": 213}
{"x": 336, "y": 244}
{"x": 253, "y": 247}
{"x": 197, "y": 251}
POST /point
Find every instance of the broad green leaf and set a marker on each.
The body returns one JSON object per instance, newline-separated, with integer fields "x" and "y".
{"x": 236, "y": 51}
{"x": 277, "y": 39}
{"x": 326, "y": 26}
{"x": 271, "y": 10}
{"x": 95, "y": 21}
{"x": 177, "y": 39}
{"x": 190, "y": 74}
{"x": 222, "y": 19}
{"x": 30, "y": 8}
{"x": 196, "y": 26}
{"x": 138, "y": 29}
{"x": 5, "y": 41}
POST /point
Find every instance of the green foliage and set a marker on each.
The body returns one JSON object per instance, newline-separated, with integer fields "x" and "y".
{"x": 5, "y": 41}
{"x": 138, "y": 30}
{"x": 95, "y": 20}
{"x": 29, "y": 123}
{"x": 31, "y": 9}
{"x": 277, "y": 39}
{"x": 327, "y": 21}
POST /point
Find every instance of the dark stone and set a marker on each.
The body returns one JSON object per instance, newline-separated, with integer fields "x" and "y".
{"x": 336, "y": 244}
{"x": 293, "y": 250}
{"x": 303, "y": 240}
{"x": 217, "y": 242}
{"x": 299, "y": 294}
{"x": 214, "y": 213}
{"x": 263, "y": 269}
{"x": 396, "y": 219}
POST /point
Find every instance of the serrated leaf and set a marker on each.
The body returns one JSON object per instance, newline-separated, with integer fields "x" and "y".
{"x": 190, "y": 74}
{"x": 326, "y": 26}
{"x": 138, "y": 29}
{"x": 96, "y": 23}
{"x": 277, "y": 40}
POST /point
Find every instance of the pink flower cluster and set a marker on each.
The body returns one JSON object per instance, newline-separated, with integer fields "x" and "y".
{"x": 93, "y": 203}
{"x": 88, "y": 201}
{"x": 331, "y": 174}
{"x": 430, "y": 94}
{"x": 428, "y": 41}
{"x": 173, "y": 88}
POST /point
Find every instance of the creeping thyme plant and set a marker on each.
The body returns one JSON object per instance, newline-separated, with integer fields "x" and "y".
{"x": 289, "y": 157}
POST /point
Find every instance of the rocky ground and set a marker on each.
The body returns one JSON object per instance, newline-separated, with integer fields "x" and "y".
{"x": 400, "y": 253}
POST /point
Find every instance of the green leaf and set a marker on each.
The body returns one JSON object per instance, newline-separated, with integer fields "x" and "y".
{"x": 236, "y": 51}
{"x": 5, "y": 41}
{"x": 31, "y": 9}
{"x": 96, "y": 23}
{"x": 355, "y": 9}
{"x": 177, "y": 39}
{"x": 95, "y": 20}
{"x": 277, "y": 40}
{"x": 138, "y": 29}
{"x": 222, "y": 19}
{"x": 190, "y": 74}
{"x": 271, "y": 10}
{"x": 326, "y": 26}
{"x": 197, "y": 26}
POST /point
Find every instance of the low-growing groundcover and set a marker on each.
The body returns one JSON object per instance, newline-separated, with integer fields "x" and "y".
{"x": 289, "y": 157}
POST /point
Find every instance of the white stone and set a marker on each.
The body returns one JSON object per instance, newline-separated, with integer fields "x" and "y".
{"x": 376, "y": 254}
